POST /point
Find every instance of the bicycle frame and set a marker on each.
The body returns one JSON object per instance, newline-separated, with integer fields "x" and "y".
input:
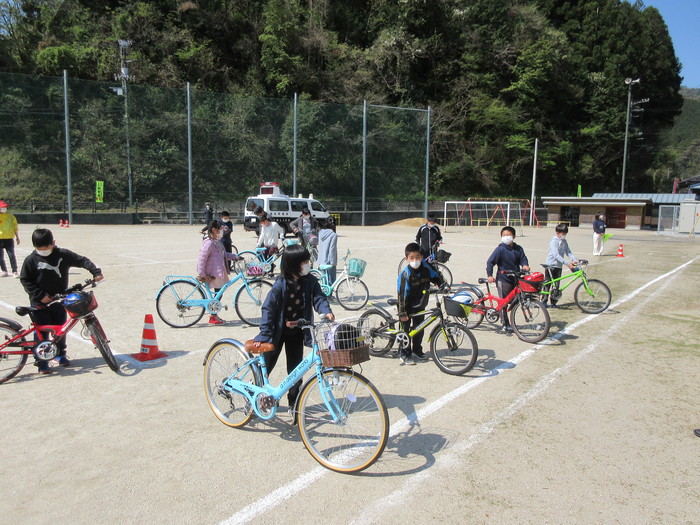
{"x": 209, "y": 295}
{"x": 433, "y": 315}
{"x": 502, "y": 303}
{"x": 325, "y": 282}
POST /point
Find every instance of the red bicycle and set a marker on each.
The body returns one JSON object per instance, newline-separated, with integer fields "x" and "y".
{"x": 528, "y": 315}
{"x": 16, "y": 344}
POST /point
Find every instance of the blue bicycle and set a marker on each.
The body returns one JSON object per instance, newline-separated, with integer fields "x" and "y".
{"x": 342, "y": 418}
{"x": 183, "y": 300}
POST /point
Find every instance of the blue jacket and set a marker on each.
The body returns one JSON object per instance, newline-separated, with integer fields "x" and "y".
{"x": 413, "y": 285}
{"x": 275, "y": 304}
{"x": 598, "y": 226}
{"x": 506, "y": 257}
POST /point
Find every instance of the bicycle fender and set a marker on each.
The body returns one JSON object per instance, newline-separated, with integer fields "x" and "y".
{"x": 434, "y": 331}
{"x": 314, "y": 377}
{"x": 171, "y": 278}
{"x": 12, "y": 324}
{"x": 383, "y": 310}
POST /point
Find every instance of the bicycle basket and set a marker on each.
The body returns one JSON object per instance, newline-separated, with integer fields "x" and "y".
{"x": 459, "y": 307}
{"x": 342, "y": 343}
{"x": 442, "y": 256}
{"x": 356, "y": 267}
{"x": 80, "y": 303}
{"x": 532, "y": 282}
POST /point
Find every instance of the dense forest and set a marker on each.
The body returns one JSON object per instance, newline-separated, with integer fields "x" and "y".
{"x": 496, "y": 74}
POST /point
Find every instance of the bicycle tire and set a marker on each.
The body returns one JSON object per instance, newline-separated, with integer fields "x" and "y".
{"x": 444, "y": 271}
{"x": 99, "y": 339}
{"x": 232, "y": 408}
{"x": 530, "y": 320}
{"x": 359, "y": 438}
{"x": 402, "y": 264}
{"x": 169, "y": 304}
{"x": 352, "y": 293}
{"x": 249, "y": 303}
{"x": 10, "y": 364}
{"x": 596, "y": 303}
{"x": 454, "y": 348}
{"x": 374, "y": 325}
{"x": 474, "y": 318}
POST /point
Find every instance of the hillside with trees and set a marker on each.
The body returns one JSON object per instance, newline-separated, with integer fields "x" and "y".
{"x": 496, "y": 74}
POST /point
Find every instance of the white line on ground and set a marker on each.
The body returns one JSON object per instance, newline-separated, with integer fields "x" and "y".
{"x": 285, "y": 492}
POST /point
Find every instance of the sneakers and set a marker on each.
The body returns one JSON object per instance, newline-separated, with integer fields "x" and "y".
{"x": 407, "y": 361}
{"x": 62, "y": 360}
{"x": 422, "y": 358}
{"x": 506, "y": 329}
{"x": 4, "y": 274}
{"x": 43, "y": 367}
{"x": 15, "y": 275}
{"x": 215, "y": 319}
{"x": 553, "y": 305}
{"x": 292, "y": 415}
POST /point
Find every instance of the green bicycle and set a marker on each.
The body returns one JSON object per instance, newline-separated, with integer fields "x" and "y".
{"x": 592, "y": 296}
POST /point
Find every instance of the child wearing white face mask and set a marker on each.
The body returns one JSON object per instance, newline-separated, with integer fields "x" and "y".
{"x": 556, "y": 257}
{"x": 212, "y": 267}
{"x": 508, "y": 256}
{"x": 412, "y": 286}
{"x": 8, "y": 230}
{"x": 295, "y": 295}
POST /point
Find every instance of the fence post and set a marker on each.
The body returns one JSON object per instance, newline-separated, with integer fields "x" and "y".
{"x": 67, "y": 128}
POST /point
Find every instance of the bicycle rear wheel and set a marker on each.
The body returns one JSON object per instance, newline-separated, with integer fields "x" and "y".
{"x": 402, "y": 264}
{"x": 597, "y": 300}
{"x": 358, "y": 437}
{"x": 10, "y": 364}
{"x": 444, "y": 271}
{"x": 530, "y": 320}
{"x": 224, "y": 360}
{"x": 99, "y": 339}
{"x": 455, "y": 349}
{"x": 249, "y": 300}
{"x": 375, "y": 325}
{"x": 352, "y": 293}
{"x": 172, "y": 304}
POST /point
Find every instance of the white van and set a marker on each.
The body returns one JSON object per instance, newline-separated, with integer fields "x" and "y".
{"x": 281, "y": 208}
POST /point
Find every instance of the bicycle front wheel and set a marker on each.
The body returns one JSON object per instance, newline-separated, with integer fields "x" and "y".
{"x": 249, "y": 300}
{"x": 356, "y": 437}
{"x": 595, "y": 301}
{"x": 352, "y": 293}
{"x": 402, "y": 264}
{"x": 375, "y": 326}
{"x": 224, "y": 360}
{"x": 530, "y": 320}
{"x": 173, "y": 304}
{"x": 99, "y": 339}
{"x": 454, "y": 348}
{"x": 10, "y": 364}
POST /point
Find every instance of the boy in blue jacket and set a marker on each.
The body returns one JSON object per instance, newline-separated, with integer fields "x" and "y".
{"x": 508, "y": 256}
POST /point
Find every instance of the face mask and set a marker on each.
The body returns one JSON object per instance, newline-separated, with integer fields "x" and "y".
{"x": 45, "y": 253}
{"x": 507, "y": 239}
{"x": 3, "y": 210}
{"x": 562, "y": 237}
{"x": 305, "y": 269}
{"x": 414, "y": 264}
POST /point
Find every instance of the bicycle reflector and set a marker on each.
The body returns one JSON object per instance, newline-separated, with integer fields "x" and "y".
{"x": 80, "y": 303}
{"x": 532, "y": 282}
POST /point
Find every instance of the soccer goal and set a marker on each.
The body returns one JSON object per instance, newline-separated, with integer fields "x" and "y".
{"x": 458, "y": 215}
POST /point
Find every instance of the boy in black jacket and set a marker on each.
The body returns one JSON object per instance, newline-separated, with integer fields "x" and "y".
{"x": 45, "y": 274}
{"x": 428, "y": 236}
{"x": 413, "y": 285}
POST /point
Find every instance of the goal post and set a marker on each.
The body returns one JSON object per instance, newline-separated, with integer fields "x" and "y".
{"x": 458, "y": 215}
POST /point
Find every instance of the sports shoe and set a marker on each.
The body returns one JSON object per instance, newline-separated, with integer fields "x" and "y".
{"x": 407, "y": 361}
{"x": 215, "y": 319}
{"x": 4, "y": 274}
{"x": 506, "y": 329}
{"x": 43, "y": 367}
{"x": 15, "y": 275}
{"x": 553, "y": 305}
{"x": 62, "y": 360}
{"x": 420, "y": 357}
{"x": 292, "y": 415}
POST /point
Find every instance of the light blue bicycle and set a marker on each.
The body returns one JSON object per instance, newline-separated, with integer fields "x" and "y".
{"x": 350, "y": 290}
{"x": 182, "y": 300}
{"x": 342, "y": 418}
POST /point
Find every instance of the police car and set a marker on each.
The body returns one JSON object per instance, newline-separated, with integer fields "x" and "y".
{"x": 281, "y": 208}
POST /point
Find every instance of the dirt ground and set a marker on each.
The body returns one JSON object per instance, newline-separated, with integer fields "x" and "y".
{"x": 594, "y": 425}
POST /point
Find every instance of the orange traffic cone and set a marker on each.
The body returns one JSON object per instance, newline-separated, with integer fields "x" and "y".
{"x": 66, "y": 224}
{"x": 149, "y": 343}
{"x": 60, "y": 223}
{"x": 619, "y": 252}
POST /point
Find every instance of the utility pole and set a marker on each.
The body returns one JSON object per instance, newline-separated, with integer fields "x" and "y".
{"x": 123, "y": 75}
{"x": 629, "y": 83}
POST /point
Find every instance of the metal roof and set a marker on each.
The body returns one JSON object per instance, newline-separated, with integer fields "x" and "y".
{"x": 593, "y": 201}
{"x": 656, "y": 198}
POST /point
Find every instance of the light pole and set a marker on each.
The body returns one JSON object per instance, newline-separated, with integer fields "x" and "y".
{"x": 123, "y": 75}
{"x": 629, "y": 83}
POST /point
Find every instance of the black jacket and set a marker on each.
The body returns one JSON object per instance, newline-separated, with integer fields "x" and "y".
{"x": 506, "y": 257}
{"x": 43, "y": 276}
{"x": 428, "y": 235}
{"x": 413, "y": 285}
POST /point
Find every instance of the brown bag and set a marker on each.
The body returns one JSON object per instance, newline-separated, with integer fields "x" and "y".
{"x": 252, "y": 349}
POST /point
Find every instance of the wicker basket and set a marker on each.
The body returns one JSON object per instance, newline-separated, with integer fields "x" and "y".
{"x": 342, "y": 343}
{"x": 356, "y": 267}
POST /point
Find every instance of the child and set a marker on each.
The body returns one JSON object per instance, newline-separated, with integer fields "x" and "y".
{"x": 8, "y": 230}
{"x": 211, "y": 262}
{"x": 413, "y": 285}
{"x": 227, "y": 228}
{"x": 305, "y": 226}
{"x": 507, "y": 256}
{"x": 328, "y": 247}
{"x": 45, "y": 274}
{"x": 558, "y": 250}
{"x": 294, "y": 296}
{"x": 598, "y": 234}
{"x": 429, "y": 236}
{"x": 270, "y": 234}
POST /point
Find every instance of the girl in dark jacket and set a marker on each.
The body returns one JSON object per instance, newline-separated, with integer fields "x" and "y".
{"x": 294, "y": 296}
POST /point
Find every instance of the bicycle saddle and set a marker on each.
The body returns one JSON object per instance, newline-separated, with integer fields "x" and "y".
{"x": 483, "y": 280}
{"x": 392, "y": 302}
{"x": 24, "y": 310}
{"x": 325, "y": 266}
{"x": 546, "y": 265}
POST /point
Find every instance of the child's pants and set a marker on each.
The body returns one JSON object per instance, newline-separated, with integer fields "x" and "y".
{"x": 53, "y": 315}
{"x": 416, "y": 344}
{"x": 293, "y": 341}
{"x": 9, "y": 246}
